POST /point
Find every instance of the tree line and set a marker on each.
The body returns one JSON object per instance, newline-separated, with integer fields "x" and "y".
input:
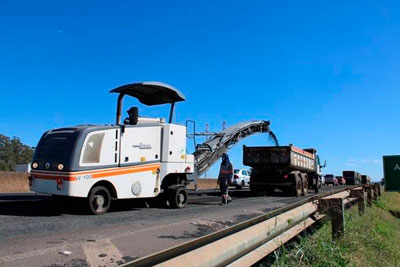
{"x": 12, "y": 152}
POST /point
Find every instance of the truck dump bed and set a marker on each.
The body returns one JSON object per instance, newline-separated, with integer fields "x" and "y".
{"x": 279, "y": 157}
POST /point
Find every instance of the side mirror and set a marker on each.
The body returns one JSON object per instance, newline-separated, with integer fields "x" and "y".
{"x": 323, "y": 166}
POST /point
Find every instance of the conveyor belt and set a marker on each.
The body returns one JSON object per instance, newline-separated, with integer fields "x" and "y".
{"x": 207, "y": 154}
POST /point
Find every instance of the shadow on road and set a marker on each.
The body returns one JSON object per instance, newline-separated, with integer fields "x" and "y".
{"x": 36, "y": 206}
{"x": 45, "y": 206}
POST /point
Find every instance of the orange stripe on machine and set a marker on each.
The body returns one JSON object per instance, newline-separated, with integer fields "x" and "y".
{"x": 76, "y": 176}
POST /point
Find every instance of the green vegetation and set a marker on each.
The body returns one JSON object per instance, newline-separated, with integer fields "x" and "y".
{"x": 12, "y": 151}
{"x": 369, "y": 240}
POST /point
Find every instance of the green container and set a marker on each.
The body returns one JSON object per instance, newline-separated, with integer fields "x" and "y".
{"x": 391, "y": 173}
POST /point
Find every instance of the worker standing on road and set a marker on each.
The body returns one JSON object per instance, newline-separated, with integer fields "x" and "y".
{"x": 224, "y": 178}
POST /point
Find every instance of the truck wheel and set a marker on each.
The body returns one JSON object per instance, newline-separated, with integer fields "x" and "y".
{"x": 241, "y": 185}
{"x": 317, "y": 185}
{"x": 177, "y": 198}
{"x": 269, "y": 191}
{"x": 255, "y": 191}
{"x": 297, "y": 187}
{"x": 305, "y": 184}
{"x": 99, "y": 200}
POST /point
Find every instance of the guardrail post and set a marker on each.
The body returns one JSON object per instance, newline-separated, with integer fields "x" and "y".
{"x": 360, "y": 195}
{"x": 375, "y": 192}
{"x": 379, "y": 190}
{"x": 369, "y": 195}
{"x": 334, "y": 207}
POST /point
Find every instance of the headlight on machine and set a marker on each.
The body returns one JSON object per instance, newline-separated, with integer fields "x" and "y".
{"x": 35, "y": 165}
{"x": 60, "y": 167}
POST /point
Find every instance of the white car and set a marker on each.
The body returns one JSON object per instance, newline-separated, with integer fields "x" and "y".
{"x": 241, "y": 178}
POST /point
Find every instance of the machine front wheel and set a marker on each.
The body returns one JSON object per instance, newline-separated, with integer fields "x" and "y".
{"x": 99, "y": 200}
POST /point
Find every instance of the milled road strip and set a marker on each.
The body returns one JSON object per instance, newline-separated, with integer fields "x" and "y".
{"x": 101, "y": 253}
{"x": 54, "y": 250}
{"x": 34, "y": 253}
{"x": 124, "y": 231}
{"x": 88, "y": 246}
{"x": 40, "y": 252}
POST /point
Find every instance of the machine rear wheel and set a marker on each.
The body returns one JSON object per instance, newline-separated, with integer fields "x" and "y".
{"x": 99, "y": 200}
{"x": 177, "y": 198}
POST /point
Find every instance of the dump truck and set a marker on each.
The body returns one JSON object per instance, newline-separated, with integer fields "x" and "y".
{"x": 288, "y": 168}
{"x": 352, "y": 177}
{"x": 365, "y": 179}
{"x": 138, "y": 157}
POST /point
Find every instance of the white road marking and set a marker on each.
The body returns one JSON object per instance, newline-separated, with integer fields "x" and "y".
{"x": 101, "y": 253}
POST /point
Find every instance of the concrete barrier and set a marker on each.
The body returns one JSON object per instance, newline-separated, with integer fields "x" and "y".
{"x": 14, "y": 182}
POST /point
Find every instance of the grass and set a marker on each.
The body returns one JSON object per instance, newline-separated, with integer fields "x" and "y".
{"x": 369, "y": 240}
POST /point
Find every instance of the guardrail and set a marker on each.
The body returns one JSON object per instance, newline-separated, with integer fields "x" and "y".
{"x": 250, "y": 241}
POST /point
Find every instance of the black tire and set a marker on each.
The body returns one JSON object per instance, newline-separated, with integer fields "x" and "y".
{"x": 241, "y": 185}
{"x": 177, "y": 198}
{"x": 297, "y": 186}
{"x": 304, "y": 179}
{"x": 99, "y": 200}
{"x": 317, "y": 185}
{"x": 255, "y": 191}
{"x": 269, "y": 191}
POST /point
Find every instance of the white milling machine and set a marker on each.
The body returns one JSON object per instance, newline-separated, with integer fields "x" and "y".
{"x": 139, "y": 158}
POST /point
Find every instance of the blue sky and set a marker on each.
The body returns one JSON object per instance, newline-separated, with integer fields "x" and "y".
{"x": 325, "y": 73}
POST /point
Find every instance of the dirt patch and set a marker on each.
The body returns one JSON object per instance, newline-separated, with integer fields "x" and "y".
{"x": 14, "y": 182}
{"x": 202, "y": 230}
{"x": 204, "y": 184}
{"x": 245, "y": 217}
{"x": 126, "y": 259}
{"x": 395, "y": 213}
{"x": 72, "y": 263}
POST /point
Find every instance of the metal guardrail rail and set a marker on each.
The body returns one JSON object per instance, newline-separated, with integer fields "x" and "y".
{"x": 248, "y": 242}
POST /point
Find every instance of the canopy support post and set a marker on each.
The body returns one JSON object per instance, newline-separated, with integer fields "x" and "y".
{"x": 171, "y": 113}
{"x": 119, "y": 108}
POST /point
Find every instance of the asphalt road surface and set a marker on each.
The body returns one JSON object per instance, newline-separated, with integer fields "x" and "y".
{"x": 35, "y": 233}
